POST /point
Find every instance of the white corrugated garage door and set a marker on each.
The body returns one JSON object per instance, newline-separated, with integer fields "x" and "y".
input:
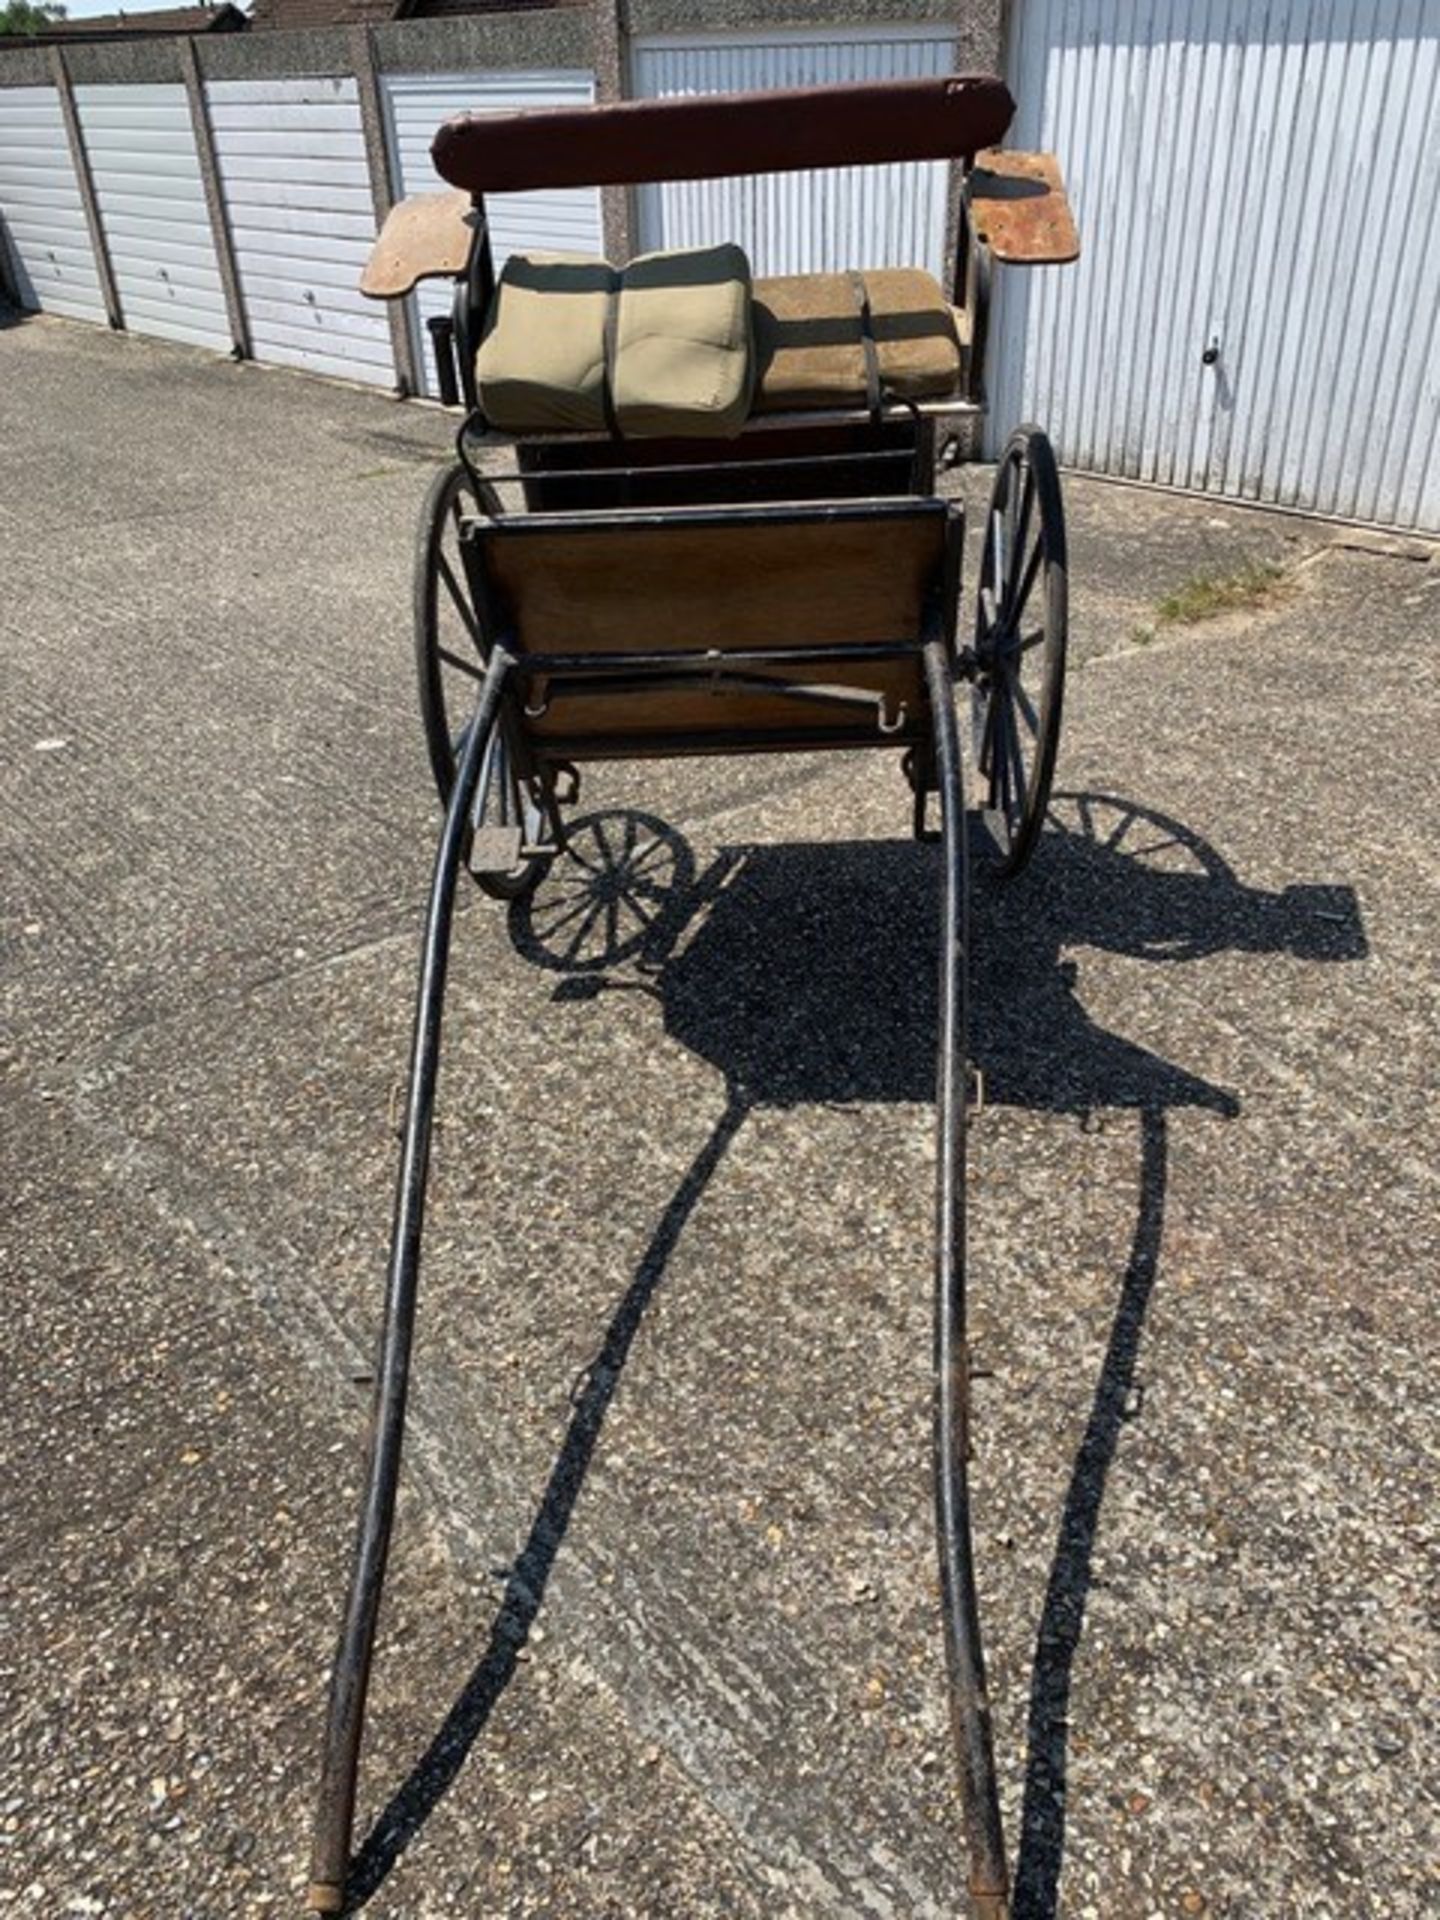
{"x": 41, "y": 206}
{"x": 801, "y": 222}
{"x": 291, "y": 155}
{"x": 141, "y": 147}
{"x": 560, "y": 219}
{"x": 1254, "y": 179}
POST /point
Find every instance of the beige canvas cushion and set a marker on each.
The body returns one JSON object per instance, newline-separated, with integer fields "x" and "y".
{"x": 680, "y": 341}
{"x": 809, "y": 339}
{"x": 541, "y": 364}
{"x": 683, "y": 362}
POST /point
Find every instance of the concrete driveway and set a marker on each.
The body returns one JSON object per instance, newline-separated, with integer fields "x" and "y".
{"x": 662, "y": 1636}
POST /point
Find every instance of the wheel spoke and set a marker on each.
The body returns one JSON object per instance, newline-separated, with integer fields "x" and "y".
{"x": 1000, "y": 771}
{"x": 1001, "y": 779}
{"x": 1022, "y": 522}
{"x": 458, "y": 599}
{"x": 1026, "y": 704}
{"x": 1032, "y": 639}
{"x": 1032, "y": 567}
{"x": 985, "y": 751}
{"x": 1011, "y": 759}
{"x": 460, "y": 664}
{"x": 1017, "y": 756}
{"x": 997, "y": 542}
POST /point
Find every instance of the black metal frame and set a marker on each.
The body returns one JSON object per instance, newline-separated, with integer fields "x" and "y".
{"x": 933, "y": 762}
{"x": 970, "y": 1717}
{"x": 351, "y": 1677}
{"x": 970, "y": 290}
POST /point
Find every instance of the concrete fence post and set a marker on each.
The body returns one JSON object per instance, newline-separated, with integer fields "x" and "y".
{"x": 220, "y": 233}
{"x": 80, "y": 160}
{"x": 609, "y": 55}
{"x": 384, "y": 175}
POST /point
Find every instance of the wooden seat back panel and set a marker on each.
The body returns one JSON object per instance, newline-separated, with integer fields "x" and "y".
{"x": 697, "y": 580}
{"x": 689, "y": 582}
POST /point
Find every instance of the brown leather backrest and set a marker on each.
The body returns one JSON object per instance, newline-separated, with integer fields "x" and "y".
{"x": 706, "y": 136}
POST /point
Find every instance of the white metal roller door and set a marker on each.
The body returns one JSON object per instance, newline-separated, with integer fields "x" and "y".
{"x": 557, "y": 220}
{"x": 893, "y": 216}
{"x": 141, "y": 148}
{"x": 42, "y": 210}
{"x": 1258, "y": 181}
{"x": 291, "y": 155}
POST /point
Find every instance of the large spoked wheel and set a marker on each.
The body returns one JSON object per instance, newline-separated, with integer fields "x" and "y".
{"x": 450, "y": 659}
{"x": 1019, "y": 662}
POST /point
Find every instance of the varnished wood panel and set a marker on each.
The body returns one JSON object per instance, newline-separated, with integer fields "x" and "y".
{"x": 699, "y": 583}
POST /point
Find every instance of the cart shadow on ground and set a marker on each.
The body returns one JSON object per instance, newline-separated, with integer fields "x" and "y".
{"x": 806, "y": 974}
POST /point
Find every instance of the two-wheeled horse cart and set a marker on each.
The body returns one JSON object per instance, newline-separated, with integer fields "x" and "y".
{"x": 730, "y": 542}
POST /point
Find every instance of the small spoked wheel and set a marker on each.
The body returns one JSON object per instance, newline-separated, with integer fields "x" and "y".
{"x": 1019, "y": 655}
{"x": 450, "y": 657}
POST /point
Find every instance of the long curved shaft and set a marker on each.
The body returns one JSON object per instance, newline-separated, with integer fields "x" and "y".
{"x": 350, "y": 1679}
{"x": 969, "y": 1702}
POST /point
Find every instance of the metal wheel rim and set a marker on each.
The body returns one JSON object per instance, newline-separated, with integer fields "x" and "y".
{"x": 1020, "y": 635}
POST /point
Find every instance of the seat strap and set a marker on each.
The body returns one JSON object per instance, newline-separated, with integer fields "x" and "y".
{"x": 610, "y": 349}
{"x": 867, "y": 342}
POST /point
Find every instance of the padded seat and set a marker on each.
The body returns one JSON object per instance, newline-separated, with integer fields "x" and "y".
{"x": 541, "y": 364}
{"x": 679, "y": 345}
{"x": 683, "y": 363}
{"x": 810, "y": 339}
{"x": 659, "y": 350}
